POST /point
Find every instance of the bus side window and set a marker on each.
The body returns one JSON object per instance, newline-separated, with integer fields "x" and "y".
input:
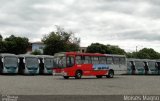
{"x": 128, "y": 64}
{"x": 102, "y": 60}
{"x": 87, "y": 59}
{"x": 95, "y": 60}
{"x": 122, "y": 60}
{"x": 70, "y": 61}
{"x": 116, "y": 60}
{"x": 109, "y": 60}
{"x": 79, "y": 60}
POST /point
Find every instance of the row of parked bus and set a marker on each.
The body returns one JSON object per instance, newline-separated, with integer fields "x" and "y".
{"x": 44, "y": 64}
{"x": 143, "y": 66}
{"x": 26, "y": 64}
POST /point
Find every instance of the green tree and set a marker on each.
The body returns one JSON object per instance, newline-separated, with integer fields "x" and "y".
{"x": 1, "y": 37}
{"x": 132, "y": 55}
{"x": 97, "y": 48}
{"x": 2, "y": 47}
{"x": 115, "y": 50}
{"x": 37, "y": 52}
{"x": 16, "y": 45}
{"x": 104, "y": 49}
{"x": 60, "y": 41}
{"x": 148, "y": 53}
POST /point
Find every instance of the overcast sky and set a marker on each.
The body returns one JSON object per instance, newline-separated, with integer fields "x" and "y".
{"x": 127, "y": 23}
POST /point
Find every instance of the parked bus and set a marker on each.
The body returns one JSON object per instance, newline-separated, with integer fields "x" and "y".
{"x": 8, "y": 63}
{"x": 46, "y": 64}
{"x": 28, "y": 64}
{"x": 130, "y": 67}
{"x": 151, "y": 67}
{"x": 73, "y": 64}
{"x": 137, "y": 66}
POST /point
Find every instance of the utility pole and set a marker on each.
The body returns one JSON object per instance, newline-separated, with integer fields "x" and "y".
{"x": 136, "y": 48}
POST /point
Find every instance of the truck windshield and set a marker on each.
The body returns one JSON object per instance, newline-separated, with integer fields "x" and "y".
{"x": 151, "y": 65}
{"x": 31, "y": 62}
{"x": 10, "y": 61}
{"x": 60, "y": 62}
{"x": 48, "y": 63}
{"x": 139, "y": 65}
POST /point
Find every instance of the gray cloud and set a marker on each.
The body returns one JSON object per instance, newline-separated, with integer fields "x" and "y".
{"x": 92, "y": 20}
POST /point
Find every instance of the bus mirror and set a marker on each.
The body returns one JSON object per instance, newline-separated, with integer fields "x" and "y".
{"x": 38, "y": 61}
{"x": 24, "y": 61}
{"x": 2, "y": 59}
{"x": 18, "y": 61}
{"x": 43, "y": 60}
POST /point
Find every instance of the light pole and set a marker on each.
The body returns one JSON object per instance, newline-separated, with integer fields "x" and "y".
{"x": 136, "y": 48}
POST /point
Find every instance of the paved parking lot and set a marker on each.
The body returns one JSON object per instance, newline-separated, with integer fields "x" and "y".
{"x": 51, "y": 85}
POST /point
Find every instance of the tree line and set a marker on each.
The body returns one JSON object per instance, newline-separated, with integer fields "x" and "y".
{"x": 145, "y": 53}
{"x": 56, "y": 41}
{"x": 64, "y": 41}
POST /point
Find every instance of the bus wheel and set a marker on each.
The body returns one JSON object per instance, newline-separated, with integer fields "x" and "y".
{"x": 110, "y": 74}
{"x": 99, "y": 76}
{"x": 78, "y": 75}
{"x": 66, "y": 77}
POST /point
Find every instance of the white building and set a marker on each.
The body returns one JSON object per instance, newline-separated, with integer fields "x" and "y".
{"x": 37, "y": 46}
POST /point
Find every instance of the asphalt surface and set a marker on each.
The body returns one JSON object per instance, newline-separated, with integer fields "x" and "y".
{"x": 56, "y": 85}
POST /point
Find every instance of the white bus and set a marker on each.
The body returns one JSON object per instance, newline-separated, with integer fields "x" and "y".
{"x": 28, "y": 64}
{"x": 46, "y": 64}
{"x": 117, "y": 63}
{"x": 137, "y": 66}
{"x": 150, "y": 66}
{"x": 8, "y": 63}
{"x": 130, "y": 67}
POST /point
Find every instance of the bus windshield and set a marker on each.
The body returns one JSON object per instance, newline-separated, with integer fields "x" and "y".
{"x": 10, "y": 62}
{"x": 31, "y": 62}
{"x": 60, "y": 62}
{"x": 128, "y": 65}
{"x": 48, "y": 63}
{"x": 139, "y": 64}
{"x": 151, "y": 65}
